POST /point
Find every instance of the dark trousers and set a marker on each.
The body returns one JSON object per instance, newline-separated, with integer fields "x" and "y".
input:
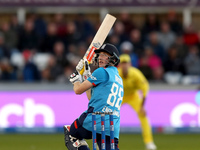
{"x": 79, "y": 132}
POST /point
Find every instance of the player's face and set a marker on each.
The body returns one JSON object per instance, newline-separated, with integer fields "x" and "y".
{"x": 103, "y": 59}
{"x": 125, "y": 66}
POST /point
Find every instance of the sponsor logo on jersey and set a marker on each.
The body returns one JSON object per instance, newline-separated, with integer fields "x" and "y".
{"x": 106, "y": 109}
{"x": 93, "y": 78}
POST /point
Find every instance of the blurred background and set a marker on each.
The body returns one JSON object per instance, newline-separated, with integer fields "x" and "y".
{"x": 41, "y": 42}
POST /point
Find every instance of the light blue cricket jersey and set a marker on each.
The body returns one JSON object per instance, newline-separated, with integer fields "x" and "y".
{"x": 107, "y": 95}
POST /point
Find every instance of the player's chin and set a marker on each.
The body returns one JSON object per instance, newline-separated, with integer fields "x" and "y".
{"x": 102, "y": 65}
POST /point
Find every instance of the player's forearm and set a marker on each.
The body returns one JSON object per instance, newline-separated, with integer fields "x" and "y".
{"x": 76, "y": 87}
{"x": 143, "y": 101}
{"x": 145, "y": 88}
{"x": 80, "y": 88}
{"x": 144, "y": 92}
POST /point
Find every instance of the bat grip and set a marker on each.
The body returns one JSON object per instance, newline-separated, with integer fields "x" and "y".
{"x": 82, "y": 70}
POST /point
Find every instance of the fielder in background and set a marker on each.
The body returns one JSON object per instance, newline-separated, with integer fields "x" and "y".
{"x": 134, "y": 82}
{"x": 104, "y": 89}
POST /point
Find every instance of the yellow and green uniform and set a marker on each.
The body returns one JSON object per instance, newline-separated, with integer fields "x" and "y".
{"x": 133, "y": 84}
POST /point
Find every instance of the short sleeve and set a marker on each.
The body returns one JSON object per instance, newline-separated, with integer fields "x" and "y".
{"x": 98, "y": 76}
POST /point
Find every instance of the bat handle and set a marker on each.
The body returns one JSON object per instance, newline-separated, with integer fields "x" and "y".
{"x": 82, "y": 70}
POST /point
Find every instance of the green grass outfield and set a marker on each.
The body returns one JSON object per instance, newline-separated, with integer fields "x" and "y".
{"x": 127, "y": 142}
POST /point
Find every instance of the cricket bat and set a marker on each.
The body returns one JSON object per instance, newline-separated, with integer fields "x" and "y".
{"x": 99, "y": 38}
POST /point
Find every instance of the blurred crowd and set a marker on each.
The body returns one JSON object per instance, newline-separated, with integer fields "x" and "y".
{"x": 48, "y": 51}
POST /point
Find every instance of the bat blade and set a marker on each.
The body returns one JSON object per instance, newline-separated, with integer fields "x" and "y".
{"x": 99, "y": 38}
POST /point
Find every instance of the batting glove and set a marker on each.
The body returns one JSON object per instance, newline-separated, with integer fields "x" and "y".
{"x": 80, "y": 65}
{"x": 86, "y": 73}
{"x": 75, "y": 77}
